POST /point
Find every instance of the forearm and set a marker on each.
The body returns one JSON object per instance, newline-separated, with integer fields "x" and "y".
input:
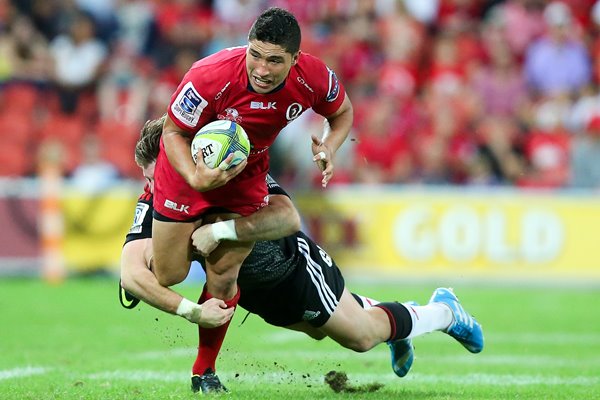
{"x": 338, "y": 126}
{"x": 177, "y": 148}
{"x": 143, "y": 284}
{"x": 275, "y": 221}
{"x": 177, "y": 144}
{"x": 140, "y": 281}
{"x": 279, "y": 219}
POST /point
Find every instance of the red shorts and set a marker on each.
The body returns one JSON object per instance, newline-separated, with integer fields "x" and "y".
{"x": 178, "y": 201}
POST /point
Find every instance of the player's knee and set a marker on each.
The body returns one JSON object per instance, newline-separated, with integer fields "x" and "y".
{"x": 169, "y": 279}
{"x": 358, "y": 344}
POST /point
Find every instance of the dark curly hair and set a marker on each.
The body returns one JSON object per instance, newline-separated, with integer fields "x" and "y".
{"x": 277, "y": 26}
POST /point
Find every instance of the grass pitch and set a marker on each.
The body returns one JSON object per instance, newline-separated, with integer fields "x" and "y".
{"x": 74, "y": 341}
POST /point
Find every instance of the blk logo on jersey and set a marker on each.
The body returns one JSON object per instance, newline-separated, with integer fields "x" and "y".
{"x": 334, "y": 86}
{"x": 188, "y": 105}
{"x": 177, "y": 207}
{"x": 259, "y": 105}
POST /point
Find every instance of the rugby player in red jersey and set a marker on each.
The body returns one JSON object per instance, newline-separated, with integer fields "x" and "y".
{"x": 263, "y": 87}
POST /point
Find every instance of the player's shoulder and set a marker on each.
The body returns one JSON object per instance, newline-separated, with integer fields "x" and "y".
{"x": 146, "y": 196}
{"x": 308, "y": 65}
{"x": 314, "y": 73}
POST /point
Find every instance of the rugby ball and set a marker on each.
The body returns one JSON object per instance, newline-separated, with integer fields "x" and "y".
{"x": 216, "y": 140}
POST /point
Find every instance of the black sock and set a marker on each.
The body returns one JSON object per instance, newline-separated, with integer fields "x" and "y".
{"x": 400, "y": 319}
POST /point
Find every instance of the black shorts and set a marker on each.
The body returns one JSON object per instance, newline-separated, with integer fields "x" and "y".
{"x": 310, "y": 293}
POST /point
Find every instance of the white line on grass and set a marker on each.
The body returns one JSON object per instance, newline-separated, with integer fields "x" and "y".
{"x": 291, "y": 377}
{"x": 22, "y": 372}
{"x": 542, "y": 338}
{"x": 317, "y": 353}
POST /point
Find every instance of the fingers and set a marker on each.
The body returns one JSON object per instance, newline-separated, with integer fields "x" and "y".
{"x": 327, "y": 174}
{"x": 320, "y": 156}
{"x": 316, "y": 141}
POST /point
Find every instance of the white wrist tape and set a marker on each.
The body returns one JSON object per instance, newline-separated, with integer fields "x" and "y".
{"x": 224, "y": 230}
{"x": 189, "y": 310}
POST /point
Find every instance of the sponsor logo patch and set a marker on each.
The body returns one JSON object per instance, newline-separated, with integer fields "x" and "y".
{"x": 140, "y": 213}
{"x": 310, "y": 315}
{"x": 334, "y": 86}
{"x": 293, "y": 111}
{"x": 188, "y": 105}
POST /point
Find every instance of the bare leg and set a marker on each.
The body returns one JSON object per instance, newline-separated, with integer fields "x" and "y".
{"x": 171, "y": 242}
{"x": 356, "y": 328}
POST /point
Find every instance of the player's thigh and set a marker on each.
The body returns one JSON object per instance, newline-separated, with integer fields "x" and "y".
{"x": 223, "y": 266}
{"x": 171, "y": 243}
{"x": 307, "y": 328}
{"x": 354, "y": 327}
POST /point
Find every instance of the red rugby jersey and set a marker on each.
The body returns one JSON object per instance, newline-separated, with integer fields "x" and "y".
{"x": 217, "y": 87}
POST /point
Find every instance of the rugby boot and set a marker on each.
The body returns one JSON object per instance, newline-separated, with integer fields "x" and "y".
{"x": 464, "y": 327}
{"x": 208, "y": 382}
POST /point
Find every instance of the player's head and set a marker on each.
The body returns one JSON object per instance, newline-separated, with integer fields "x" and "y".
{"x": 273, "y": 48}
{"x": 146, "y": 148}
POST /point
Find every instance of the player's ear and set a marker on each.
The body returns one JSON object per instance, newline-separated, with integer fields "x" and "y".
{"x": 295, "y": 58}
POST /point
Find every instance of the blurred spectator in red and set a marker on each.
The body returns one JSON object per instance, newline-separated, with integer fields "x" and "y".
{"x": 401, "y": 38}
{"x": 585, "y": 153}
{"x": 182, "y": 24}
{"x": 382, "y": 152}
{"x": 78, "y": 60}
{"x": 500, "y": 84}
{"x": 559, "y": 61}
{"x": 547, "y": 146}
{"x": 517, "y": 22}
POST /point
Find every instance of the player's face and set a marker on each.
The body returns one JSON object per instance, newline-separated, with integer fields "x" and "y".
{"x": 267, "y": 65}
{"x": 149, "y": 175}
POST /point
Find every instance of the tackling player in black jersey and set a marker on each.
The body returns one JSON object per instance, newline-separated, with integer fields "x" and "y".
{"x": 287, "y": 279}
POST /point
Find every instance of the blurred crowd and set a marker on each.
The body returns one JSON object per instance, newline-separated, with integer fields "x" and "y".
{"x": 445, "y": 92}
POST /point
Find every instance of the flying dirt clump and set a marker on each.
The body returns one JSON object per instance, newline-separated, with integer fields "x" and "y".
{"x": 338, "y": 382}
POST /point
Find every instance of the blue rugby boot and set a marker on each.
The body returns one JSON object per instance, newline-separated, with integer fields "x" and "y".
{"x": 402, "y": 353}
{"x": 464, "y": 327}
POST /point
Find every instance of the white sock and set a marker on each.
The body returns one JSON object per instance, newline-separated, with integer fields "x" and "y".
{"x": 365, "y": 302}
{"x": 429, "y": 318}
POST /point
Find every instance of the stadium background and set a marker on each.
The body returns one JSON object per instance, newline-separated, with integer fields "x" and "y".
{"x": 465, "y": 167}
{"x": 473, "y": 154}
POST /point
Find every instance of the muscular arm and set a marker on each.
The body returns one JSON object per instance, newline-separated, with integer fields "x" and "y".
{"x": 279, "y": 219}
{"x": 138, "y": 280}
{"x": 339, "y": 127}
{"x": 336, "y": 131}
